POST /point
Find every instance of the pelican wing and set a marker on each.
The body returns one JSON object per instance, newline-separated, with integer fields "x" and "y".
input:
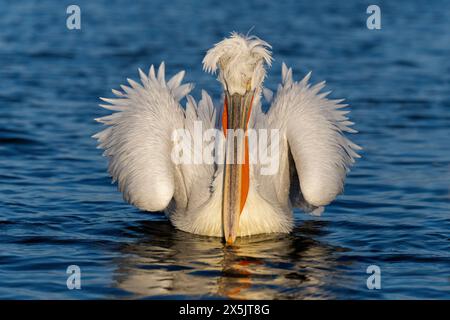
{"x": 316, "y": 152}
{"x": 138, "y": 139}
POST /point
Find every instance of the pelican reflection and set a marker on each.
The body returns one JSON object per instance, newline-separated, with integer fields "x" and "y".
{"x": 165, "y": 262}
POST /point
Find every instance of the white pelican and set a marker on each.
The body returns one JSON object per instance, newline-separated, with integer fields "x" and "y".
{"x": 231, "y": 199}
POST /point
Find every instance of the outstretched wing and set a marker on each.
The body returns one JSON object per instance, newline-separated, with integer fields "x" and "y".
{"x": 317, "y": 153}
{"x": 138, "y": 138}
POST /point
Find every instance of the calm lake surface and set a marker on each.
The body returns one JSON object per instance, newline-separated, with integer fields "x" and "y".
{"x": 58, "y": 207}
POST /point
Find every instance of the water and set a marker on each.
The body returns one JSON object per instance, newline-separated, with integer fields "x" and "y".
{"x": 58, "y": 207}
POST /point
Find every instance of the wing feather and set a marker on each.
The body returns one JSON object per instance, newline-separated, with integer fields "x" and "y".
{"x": 314, "y": 127}
{"x": 138, "y": 138}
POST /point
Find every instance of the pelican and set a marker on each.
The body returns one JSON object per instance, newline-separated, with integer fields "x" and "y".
{"x": 233, "y": 198}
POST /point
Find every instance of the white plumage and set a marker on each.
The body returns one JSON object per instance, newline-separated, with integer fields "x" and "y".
{"x": 240, "y": 61}
{"x": 314, "y": 153}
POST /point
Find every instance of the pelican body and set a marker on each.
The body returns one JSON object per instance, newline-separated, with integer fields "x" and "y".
{"x": 234, "y": 197}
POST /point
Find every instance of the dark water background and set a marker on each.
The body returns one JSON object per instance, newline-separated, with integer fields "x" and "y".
{"x": 58, "y": 207}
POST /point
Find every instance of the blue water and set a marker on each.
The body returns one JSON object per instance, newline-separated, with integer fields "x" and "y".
{"x": 58, "y": 207}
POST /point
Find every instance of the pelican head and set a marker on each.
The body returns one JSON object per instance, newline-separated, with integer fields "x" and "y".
{"x": 241, "y": 62}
